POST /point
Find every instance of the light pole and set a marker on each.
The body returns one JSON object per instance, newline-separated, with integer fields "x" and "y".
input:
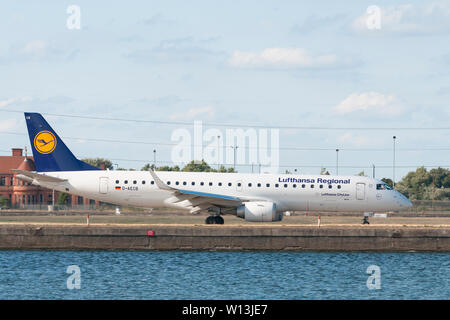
{"x": 234, "y": 156}
{"x": 154, "y": 158}
{"x": 218, "y": 153}
{"x": 393, "y": 164}
{"x": 373, "y": 171}
{"x": 337, "y": 162}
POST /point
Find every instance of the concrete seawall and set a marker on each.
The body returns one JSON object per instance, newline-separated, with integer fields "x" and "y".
{"x": 203, "y": 237}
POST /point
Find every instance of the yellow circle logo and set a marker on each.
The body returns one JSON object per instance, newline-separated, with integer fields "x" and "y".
{"x": 45, "y": 142}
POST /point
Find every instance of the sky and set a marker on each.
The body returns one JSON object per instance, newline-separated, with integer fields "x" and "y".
{"x": 329, "y": 75}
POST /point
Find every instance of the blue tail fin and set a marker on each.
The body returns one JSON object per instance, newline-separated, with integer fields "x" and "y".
{"x": 49, "y": 151}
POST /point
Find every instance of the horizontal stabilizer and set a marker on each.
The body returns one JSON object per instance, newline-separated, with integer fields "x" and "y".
{"x": 38, "y": 176}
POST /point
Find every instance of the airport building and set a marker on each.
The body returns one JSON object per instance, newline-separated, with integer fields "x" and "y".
{"x": 25, "y": 195}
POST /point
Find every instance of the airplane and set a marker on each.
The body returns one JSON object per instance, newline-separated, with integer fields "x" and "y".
{"x": 253, "y": 197}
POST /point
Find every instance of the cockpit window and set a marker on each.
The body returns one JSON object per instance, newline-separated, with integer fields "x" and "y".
{"x": 383, "y": 186}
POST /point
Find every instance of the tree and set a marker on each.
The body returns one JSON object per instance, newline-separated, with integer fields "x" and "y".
{"x": 4, "y": 203}
{"x": 440, "y": 177}
{"x": 198, "y": 166}
{"x": 63, "y": 198}
{"x": 426, "y": 185}
{"x": 193, "y": 166}
{"x": 148, "y": 166}
{"x": 97, "y": 162}
{"x": 388, "y": 181}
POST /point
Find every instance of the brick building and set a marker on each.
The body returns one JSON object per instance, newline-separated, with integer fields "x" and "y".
{"x": 25, "y": 195}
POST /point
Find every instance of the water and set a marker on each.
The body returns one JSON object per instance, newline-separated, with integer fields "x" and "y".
{"x": 222, "y": 275}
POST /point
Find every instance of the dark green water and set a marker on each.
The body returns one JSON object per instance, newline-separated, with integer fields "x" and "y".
{"x": 222, "y": 275}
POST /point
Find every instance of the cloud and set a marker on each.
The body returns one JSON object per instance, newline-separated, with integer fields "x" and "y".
{"x": 7, "y": 102}
{"x": 194, "y": 113}
{"x": 185, "y": 49}
{"x": 313, "y": 23}
{"x": 38, "y": 51}
{"x": 370, "y": 102}
{"x": 8, "y": 125}
{"x": 407, "y": 19}
{"x": 281, "y": 58}
{"x": 351, "y": 139}
{"x": 157, "y": 19}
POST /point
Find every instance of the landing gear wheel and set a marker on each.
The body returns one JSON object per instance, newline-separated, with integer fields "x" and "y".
{"x": 218, "y": 220}
{"x": 214, "y": 220}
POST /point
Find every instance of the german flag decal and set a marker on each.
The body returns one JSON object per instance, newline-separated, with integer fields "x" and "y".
{"x": 118, "y": 188}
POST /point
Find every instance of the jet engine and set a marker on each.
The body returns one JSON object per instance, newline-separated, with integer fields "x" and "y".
{"x": 259, "y": 211}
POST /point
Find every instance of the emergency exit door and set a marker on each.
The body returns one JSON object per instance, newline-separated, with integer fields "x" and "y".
{"x": 103, "y": 185}
{"x": 360, "y": 191}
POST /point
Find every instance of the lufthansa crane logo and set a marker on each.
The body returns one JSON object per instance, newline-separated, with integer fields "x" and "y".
{"x": 45, "y": 142}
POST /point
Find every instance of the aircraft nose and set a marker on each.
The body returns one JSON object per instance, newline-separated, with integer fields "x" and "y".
{"x": 408, "y": 203}
{"x": 403, "y": 202}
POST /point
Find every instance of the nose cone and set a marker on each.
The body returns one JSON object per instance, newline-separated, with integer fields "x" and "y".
{"x": 403, "y": 202}
{"x": 406, "y": 203}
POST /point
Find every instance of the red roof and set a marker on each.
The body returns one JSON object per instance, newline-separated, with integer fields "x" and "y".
{"x": 9, "y": 162}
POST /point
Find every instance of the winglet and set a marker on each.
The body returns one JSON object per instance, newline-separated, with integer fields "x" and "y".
{"x": 159, "y": 183}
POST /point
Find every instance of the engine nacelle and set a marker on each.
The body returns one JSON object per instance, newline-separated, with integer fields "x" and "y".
{"x": 259, "y": 211}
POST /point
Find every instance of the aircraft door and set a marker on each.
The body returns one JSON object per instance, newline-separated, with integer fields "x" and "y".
{"x": 103, "y": 185}
{"x": 360, "y": 191}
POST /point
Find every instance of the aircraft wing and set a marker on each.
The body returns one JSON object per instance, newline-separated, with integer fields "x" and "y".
{"x": 30, "y": 176}
{"x": 197, "y": 201}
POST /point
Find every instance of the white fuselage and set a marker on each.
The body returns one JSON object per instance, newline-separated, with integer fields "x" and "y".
{"x": 289, "y": 192}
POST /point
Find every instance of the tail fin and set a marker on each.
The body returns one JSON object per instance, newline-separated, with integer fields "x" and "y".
{"x": 49, "y": 151}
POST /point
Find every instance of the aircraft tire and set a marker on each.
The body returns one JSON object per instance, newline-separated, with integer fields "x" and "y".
{"x": 210, "y": 220}
{"x": 218, "y": 220}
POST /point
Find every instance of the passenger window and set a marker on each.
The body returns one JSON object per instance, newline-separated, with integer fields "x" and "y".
{"x": 303, "y": 186}
{"x": 134, "y": 182}
{"x": 153, "y": 182}
{"x": 321, "y": 186}
{"x": 230, "y": 184}
{"x": 276, "y": 185}
{"x": 259, "y": 185}
{"x": 285, "y": 185}
{"x": 193, "y": 183}
{"x": 294, "y": 186}
{"x": 202, "y": 183}
{"x": 220, "y": 184}
{"x": 268, "y": 185}
{"x": 168, "y": 182}
{"x": 184, "y": 183}
{"x": 126, "y": 182}
{"x": 117, "y": 181}
{"x": 210, "y": 184}
{"x": 339, "y": 186}
{"x": 249, "y": 184}
{"x": 177, "y": 183}
{"x": 312, "y": 186}
{"x": 330, "y": 186}
{"x": 143, "y": 181}
{"x": 239, "y": 184}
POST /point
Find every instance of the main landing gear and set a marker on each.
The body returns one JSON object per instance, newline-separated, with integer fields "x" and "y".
{"x": 214, "y": 220}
